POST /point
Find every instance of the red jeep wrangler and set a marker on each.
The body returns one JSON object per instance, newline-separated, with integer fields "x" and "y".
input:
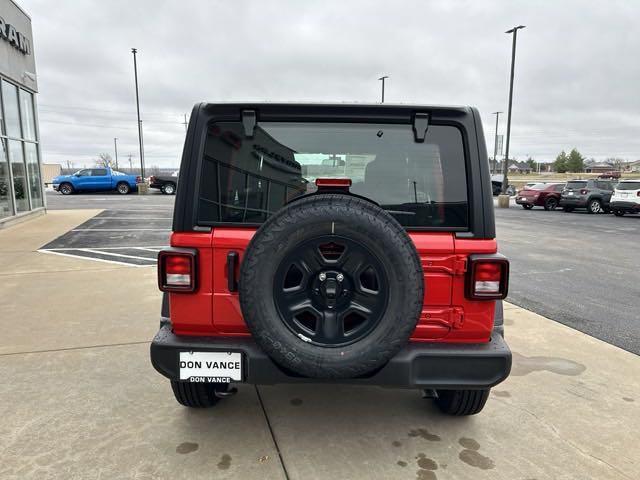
{"x": 333, "y": 243}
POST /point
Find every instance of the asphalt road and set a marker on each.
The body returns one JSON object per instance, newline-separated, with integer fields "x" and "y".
{"x": 578, "y": 269}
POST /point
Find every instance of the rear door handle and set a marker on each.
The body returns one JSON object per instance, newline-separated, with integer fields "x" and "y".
{"x": 232, "y": 261}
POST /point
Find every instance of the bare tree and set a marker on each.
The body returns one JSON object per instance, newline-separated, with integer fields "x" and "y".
{"x": 617, "y": 162}
{"x": 104, "y": 160}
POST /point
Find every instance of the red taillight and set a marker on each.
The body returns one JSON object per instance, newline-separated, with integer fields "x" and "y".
{"x": 584, "y": 191}
{"x": 152, "y": 179}
{"x": 177, "y": 270}
{"x": 488, "y": 277}
{"x": 138, "y": 179}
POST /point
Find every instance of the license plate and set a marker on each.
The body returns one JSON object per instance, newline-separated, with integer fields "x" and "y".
{"x": 211, "y": 367}
{"x": 570, "y": 193}
{"x": 522, "y": 198}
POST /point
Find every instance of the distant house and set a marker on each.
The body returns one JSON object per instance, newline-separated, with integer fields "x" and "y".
{"x": 519, "y": 167}
{"x": 598, "y": 167}
{"x": 632, "y": 166}
{"x": 514, "y": 166}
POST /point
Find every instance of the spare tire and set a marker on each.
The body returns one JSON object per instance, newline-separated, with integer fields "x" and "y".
{"x": 331, "y": 286}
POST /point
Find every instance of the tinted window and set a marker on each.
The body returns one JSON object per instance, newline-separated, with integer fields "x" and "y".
{"x": 246, "y": 179}
{"x": 98, "y": 172}
{"x": 538, "y": 186}
{"x": 559, "y": 187}
{"x": 11, "y": 109}
{"x": 628, "y": 186}
{"x": 576, "y": 185}
{"x": 604, "y": 185}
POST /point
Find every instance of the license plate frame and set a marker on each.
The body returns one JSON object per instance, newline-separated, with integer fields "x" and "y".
{"x": 210, "y": 367}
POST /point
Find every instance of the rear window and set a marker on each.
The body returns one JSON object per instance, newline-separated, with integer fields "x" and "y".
{"x": 575, "y": 185}
{"x": 628, "y": 186}
{"x": 538, "y": 186}
{"x": 244, "y": 180}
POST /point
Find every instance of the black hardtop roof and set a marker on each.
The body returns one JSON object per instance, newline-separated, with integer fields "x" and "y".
{"x": 331, "y": 111}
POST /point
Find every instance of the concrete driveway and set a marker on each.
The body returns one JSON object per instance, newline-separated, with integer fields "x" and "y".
{"x": 80, "y": 399}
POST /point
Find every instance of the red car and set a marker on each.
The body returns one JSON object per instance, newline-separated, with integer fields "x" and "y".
{"x": 545, "y": 195}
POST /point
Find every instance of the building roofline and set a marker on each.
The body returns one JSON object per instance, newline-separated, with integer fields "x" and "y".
{"x": 21, "y": 9}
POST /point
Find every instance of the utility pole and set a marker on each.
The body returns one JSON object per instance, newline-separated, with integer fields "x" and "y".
{"x": 135, "y": 73}
{"x": 495, "y": 144}
{"x": 185, "y": 123}
{"x": 505, "y": 169}
{"x": 383, "y": 79}
{"x": 115, "y": 145}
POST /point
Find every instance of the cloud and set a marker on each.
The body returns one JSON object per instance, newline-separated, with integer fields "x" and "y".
{"x": 576, "y": 74}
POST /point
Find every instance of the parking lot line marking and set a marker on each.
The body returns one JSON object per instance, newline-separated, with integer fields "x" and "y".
{"x": 121, "y": 230}
{"x": 53, "y": 252}
{"x": 131, "y": 218}
{"x": 62, "y": 249}
{"x": 101, "y": 252}
{"x": 149, "y": 249}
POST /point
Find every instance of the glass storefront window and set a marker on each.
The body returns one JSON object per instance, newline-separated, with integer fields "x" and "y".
{"x": 28, "y": 117}
{"x": 11, "y": 111}
{"x": 16, "y": 159}
{"x": 5, "y": 182}
{"x": 33, "y": 172}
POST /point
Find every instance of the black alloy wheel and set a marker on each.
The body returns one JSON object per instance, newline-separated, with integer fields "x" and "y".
{"x": 327, "y": 291}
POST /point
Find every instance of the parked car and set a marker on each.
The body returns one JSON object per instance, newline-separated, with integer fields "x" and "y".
{"x": 95, "y": 180}
{"x": 611, "y": 174}
{"x": 303, "y": 237}
{"x": 496, "y": 185}
{"x": 545, "y": 195}
{"x": 626, "y": 197}
{"x": 592, "y": 194}
{"x": 165, "y": 183}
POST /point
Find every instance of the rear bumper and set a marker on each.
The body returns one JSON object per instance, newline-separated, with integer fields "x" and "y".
{"x": 626, "y": 206}
{"x": 573, "y": 202}
{"x": 417, "y": 365}
{"x": 527, "y": 201}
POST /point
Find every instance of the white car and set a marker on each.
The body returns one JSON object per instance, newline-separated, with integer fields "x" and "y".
{"x": 626, "y": 197}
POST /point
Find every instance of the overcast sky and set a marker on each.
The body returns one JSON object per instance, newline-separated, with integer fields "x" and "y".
{"x": 577, "y": 70}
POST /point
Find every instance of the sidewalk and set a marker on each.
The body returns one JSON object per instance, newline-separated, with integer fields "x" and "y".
{"x": 80, "y": 399}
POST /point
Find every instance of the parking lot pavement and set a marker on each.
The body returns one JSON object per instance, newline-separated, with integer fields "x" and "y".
{"x": 80, "y": 399}
{"x": 130, "y": 231}
{"x": 109, "y": 200}
{"x": 576, "y": 268}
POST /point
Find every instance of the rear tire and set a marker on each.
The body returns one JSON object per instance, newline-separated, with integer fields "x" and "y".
{"x": 618, "y": 213}
{"x": 123, "y": 188}
{"x": 196, "y": 395}
{"x": 526, "y": 206}
{"x": 550, "y": 203}
{"x": 595, "y": 206}
{"x": 462, "y": 402}
{"x": 168, "y": 189}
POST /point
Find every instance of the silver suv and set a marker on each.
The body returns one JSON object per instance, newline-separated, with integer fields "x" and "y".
{"x": 592, "y": 194}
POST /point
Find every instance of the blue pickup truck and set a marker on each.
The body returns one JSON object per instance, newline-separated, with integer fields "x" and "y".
{"x": 95, "y": 180}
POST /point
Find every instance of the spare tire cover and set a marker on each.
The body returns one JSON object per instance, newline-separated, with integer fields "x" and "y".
{"x": 331, "y": 286}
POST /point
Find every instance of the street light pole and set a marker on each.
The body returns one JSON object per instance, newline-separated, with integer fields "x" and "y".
{"x": 495, "y": 143}
{"x": 115, "y": 145}
{"x": 505, "y": 167}
{"x": 382, "y": 79}
{"x": 135, "y": 72}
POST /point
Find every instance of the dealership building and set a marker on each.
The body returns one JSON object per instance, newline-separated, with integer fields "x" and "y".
{"x": 21, "y": 192}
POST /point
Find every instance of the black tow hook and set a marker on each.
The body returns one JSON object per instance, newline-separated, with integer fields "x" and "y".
{"x": 229, "y": 392}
